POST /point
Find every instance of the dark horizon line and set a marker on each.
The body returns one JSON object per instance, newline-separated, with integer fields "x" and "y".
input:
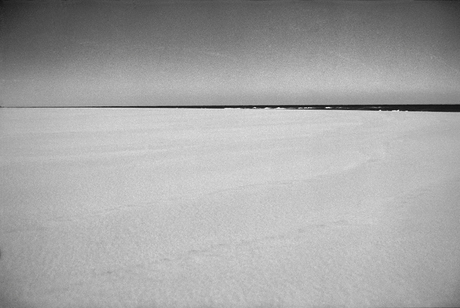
{"x": 382, "y": 107}
{"x": 219, "y": 1}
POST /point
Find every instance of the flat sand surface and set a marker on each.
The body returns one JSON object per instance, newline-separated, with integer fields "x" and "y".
{"x": 228, "y": 208}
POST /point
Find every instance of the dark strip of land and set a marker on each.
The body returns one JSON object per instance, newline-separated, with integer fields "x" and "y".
{"x": 409, "y": 107}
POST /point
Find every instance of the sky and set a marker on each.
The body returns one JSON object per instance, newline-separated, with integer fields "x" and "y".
{"x": 93, "y": 53}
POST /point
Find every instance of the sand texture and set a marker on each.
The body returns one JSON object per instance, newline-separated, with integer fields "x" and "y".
{"x": 228, "y": 208}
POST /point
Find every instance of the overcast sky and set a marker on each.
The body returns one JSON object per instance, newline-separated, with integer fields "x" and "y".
{"x": 196, "y": 52}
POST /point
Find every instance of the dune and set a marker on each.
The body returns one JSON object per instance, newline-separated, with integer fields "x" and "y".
{"x": 226, "y": 208}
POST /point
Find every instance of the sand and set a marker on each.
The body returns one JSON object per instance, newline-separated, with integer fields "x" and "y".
{"x": 228, "y": 208}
